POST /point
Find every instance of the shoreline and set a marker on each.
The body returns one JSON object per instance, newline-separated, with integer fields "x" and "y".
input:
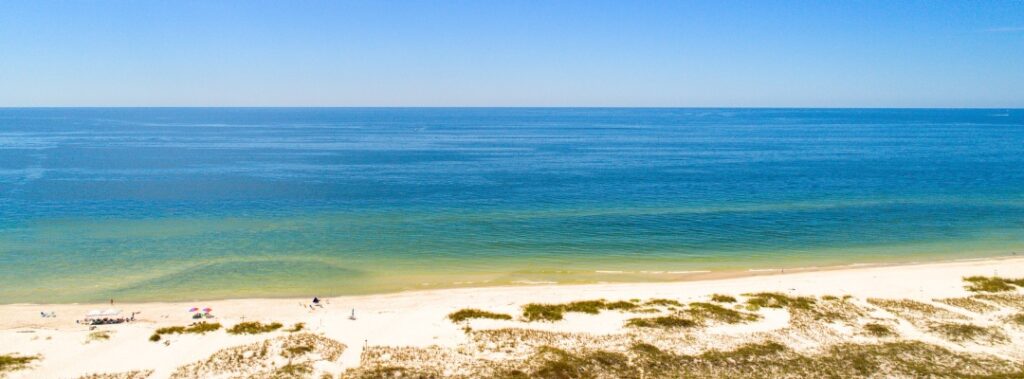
{"x": 686, "y": 276}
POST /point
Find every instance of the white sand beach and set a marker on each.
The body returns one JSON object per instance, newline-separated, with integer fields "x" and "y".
{"x": 419, "y": 319}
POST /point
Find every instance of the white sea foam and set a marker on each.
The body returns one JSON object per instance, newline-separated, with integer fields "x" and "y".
{"x": 689, "y": 272}
{"x": 533, "y": 282}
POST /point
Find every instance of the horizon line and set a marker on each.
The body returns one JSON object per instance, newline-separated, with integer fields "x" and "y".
{"x": 480, "y": 107}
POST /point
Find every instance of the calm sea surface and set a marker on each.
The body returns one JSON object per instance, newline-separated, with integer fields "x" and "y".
{"x": 175, "y": 204}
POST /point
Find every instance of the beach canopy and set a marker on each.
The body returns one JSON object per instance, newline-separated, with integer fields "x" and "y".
{"x": 193, "y": 309}
{"x": 96, "y": 313}
{"x": 207, "y": 310}
{"x": 111, "y": 312}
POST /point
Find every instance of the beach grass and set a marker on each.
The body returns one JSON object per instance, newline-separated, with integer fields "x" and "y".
{"x": 297, "y": 327}
{"x": 99, "y": 335}
{"x": 664, "y": 322}
{"x": 200, "y": 328}
{"x": 878, "y": 330}
{"x": 779, "y": 300}
{"x": 718, "y": 313}
{"x": 262, "y": 359}
{"x": 914, "y": 311}
{"x": 961, "y": 332}
{"x": 968, "y": 303}
{"x": 556, "y": 312}
{"x": 751, "y": 360}
{"x": 663, "y": 303}
{"x": 992, "y": 284}
{"x": 135, "y": 374}
{"x": 13, "y": 362}
{"x": 719, "y": 298}
{"x": 469, "y": 313}
{"x": 1008, "y": 300}
{"x": 254, "y": 327}
{"x": 1016, "y": 319}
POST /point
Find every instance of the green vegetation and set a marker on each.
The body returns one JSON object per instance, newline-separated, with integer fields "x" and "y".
{"x": 555, "y": 312}
{"x": 293, "y": 370}
{"x": 99, "y": 335}
{"x": 829, "y": 298}
{"x": 543, "y": 312}
{"x": 746, "y": 352}
{"x": 136, "y": 374}
{"x": 779, "y": 300}
{"x": 297, "y": 327}
{"x": 914, "y": 311}
{"x": 1017, "y": 319}
{"x": 650, "y": 310}
{"x": 969, "y": 304}
{"x": 723, "y": 298}
{"x": 13, "y": 362}
{"x": 755, "y": 360}
{"x": 200, "y": 328}
{"x": 666, "y": 322}
{"x": 663, "y": 303}
{"x": 263, "y": 359}
{"x": 715, "y": 312}
{"x": 295, "y": 351}
{"x": 1010, "y": 300}
{"x": 466, "y": 314}
{"x": 254, "y": 327}
{"x": 992, "y": 283}
{"x": 958, "y": 332}
{"x": 878, "y": 330}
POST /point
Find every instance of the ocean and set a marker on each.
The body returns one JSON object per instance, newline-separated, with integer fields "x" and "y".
{"x": 147, "y": 204}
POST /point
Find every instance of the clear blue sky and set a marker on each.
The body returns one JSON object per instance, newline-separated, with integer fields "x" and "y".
{"x": 512, "y": 53}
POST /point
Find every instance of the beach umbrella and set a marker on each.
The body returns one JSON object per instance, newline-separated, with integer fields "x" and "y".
{"x": 194, "y": 309}
{"x": 207, "y": 310}
{"x": 94, "y": 313}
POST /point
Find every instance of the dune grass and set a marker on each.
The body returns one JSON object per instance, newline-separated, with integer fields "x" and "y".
{"x": 296, "y": 328}
{"x": 970, "y": 304}
{"x": 779, "y": 300}
{"x": 914, "y": 311}
{"x": 263, "y": 359}
{"x": 960, "y": 332}
{"x": 136, "y": 374}
{"x": 13, "y": 362}
{"x": 1017, "y": 319}
{"x": 663, "y": 303}
{"x": 878, "y": 330}
{"x": 99, "y": 335}
{"x": 200, "y": 328}
{"x": 664, "y": 322}
{"x": 719, "y": 298}
{"x": 1009, "y": 300}
{"x": 469, "y": 313}
{"x": 766, "y": 359}
{"x": 555, "y": 312}
{"x": 254, "y": 327}
{"x": 715, "y": 312}
{"x": 992, "y": 284}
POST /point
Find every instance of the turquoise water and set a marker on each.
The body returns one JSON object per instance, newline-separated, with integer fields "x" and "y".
{"x": 176, "y": 204}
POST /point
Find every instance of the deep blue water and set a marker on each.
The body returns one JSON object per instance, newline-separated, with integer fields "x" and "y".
{"x": 197, "y": 203}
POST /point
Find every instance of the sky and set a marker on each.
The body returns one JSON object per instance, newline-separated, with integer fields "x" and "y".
{"x": 513, "y": 53}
